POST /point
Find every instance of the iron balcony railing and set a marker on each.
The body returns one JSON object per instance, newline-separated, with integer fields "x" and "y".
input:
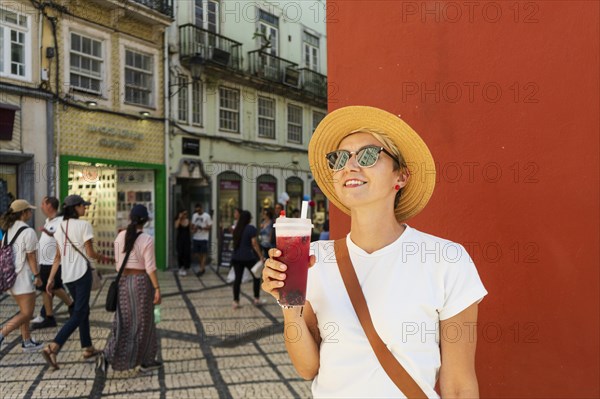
{"x": 313, "y": 82}
{"x": 273, "y": 68}
{"x": 162, "y": 6}
{"x": 210, "y": 46}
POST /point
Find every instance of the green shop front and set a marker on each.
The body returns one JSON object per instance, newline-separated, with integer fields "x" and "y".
{"x": 114, "y": 163}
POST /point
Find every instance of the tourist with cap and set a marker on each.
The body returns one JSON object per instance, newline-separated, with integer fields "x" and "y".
{"x": 74, "y": 249}
{"x": 416, "y": 287}
{"x": 24, "y": 246}
{"x": 133, "y": 341}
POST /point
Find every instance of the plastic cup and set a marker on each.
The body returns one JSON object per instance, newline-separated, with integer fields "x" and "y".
{"x": 293, "y": 240}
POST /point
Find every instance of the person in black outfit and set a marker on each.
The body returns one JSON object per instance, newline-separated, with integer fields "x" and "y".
{"x": 183, "y": 242}
{"x": 246, "y": 252}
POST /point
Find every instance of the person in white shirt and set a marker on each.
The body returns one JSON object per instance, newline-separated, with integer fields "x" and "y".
{"x": 47, "y": 253}
{"x": 422, "y": 292}
{"x": 201, "y": 224}
{"x": 24, "y": 252}
{"x": 74, "y": 237}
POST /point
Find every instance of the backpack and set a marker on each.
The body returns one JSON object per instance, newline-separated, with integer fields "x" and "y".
{"x": 8, "y": 273}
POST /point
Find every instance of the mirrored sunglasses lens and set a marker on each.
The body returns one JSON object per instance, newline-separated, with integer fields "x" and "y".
{"x": 367, "y": 156}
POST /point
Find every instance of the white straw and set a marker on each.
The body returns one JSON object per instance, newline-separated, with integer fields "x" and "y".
{"x": 304, "y": 212}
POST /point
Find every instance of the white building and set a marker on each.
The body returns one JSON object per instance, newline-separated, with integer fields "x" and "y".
{"x": 247, "y": 88}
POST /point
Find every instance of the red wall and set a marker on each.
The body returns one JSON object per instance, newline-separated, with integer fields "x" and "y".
{"x": 507, "y": 99}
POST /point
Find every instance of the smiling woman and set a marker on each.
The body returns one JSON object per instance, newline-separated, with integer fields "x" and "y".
{"x": 376, "y": 168}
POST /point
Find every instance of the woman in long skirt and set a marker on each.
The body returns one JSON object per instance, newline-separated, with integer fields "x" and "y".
{"x": 133, "y": 341}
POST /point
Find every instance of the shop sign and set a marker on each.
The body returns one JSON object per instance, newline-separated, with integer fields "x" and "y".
{"x": 190, "y": 146}
{"x": 230, "y": 185}
{"x": 114, "y": 137}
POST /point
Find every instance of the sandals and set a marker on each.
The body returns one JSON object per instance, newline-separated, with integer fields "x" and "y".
{"x": 50, "y": 356}
{"x": 90, "y": 352}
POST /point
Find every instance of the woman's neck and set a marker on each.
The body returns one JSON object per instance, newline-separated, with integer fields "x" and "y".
{"x": 374, "y": 230}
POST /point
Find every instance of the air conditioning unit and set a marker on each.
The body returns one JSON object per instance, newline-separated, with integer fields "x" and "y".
{"x": 291, "y": 77}
{"x": 220, "y": 57}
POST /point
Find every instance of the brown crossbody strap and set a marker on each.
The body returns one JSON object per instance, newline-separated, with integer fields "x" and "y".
{"x": 390, "y": 364}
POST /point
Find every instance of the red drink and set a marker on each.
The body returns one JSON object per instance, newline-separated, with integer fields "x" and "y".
{"x": 295, "y": 254}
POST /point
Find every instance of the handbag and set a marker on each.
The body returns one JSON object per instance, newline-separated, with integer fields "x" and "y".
{"x": 112, "y": 296}
{"x": 258, "y": 268}
{"x": 96, "y": 276}
{"x": 388, "y": 361}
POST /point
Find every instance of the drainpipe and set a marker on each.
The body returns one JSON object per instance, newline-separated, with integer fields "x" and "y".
{"x": 167, "y": 112}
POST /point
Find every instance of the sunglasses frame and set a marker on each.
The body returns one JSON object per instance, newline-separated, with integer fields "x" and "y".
{"x": 380, "y": 149}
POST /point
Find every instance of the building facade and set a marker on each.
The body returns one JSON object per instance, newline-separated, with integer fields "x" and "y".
{"x": 247, "y": 88}
{"x": 101, "y": 64}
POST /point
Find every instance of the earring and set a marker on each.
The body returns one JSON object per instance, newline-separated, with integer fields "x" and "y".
{"x": 397, "y": 187}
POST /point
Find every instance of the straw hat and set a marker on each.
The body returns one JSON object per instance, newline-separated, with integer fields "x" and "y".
{"x": 20, "y": 205}
{"x": 336, "y": 125}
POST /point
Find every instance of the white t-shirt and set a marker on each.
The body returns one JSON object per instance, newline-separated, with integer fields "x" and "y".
{"x": 409, "y": 285}
{"x": 73, "y": 265}
{"x": 201, "y": 221}
{"x": 25, "y": 243}
{"x": 47, "y": 250}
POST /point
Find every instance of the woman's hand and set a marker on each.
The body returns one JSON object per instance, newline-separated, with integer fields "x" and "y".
{"x": 37, "y": 281}
{"x": 273, "y": 275}
{"x": 157, "y": 297}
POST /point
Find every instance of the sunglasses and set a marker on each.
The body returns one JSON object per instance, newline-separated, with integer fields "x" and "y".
{"x": 366, "y": 157}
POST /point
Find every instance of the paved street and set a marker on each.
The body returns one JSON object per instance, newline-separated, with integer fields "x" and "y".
{"x": 208, "y": 349}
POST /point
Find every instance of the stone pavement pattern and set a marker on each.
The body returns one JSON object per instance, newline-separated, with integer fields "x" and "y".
{"x": 208, "y": 349}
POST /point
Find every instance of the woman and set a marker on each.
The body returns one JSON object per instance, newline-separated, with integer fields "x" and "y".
{"x": 133, "y": 341}
{"x": 417, "y": 286}
{"x": 266, "y": 230}
{"x": 246, "y": 252}
{"x": 24, "y": 253}
{"x": 74, "y": 247}
{"x": 183, "y": 242}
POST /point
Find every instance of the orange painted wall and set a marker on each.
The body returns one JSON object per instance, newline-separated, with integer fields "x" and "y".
{"x": 507, "y": 97}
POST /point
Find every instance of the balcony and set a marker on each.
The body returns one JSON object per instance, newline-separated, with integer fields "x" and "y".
{"x": 313, "y": 82}
{"x": 210, "y": 47}
{"x": 162, "y": 6}
{"x": 273, "y": 68}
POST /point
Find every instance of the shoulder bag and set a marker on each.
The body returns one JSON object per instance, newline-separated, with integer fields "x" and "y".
{"x": 388, "y": 361}
{"x": 112, "y": 297}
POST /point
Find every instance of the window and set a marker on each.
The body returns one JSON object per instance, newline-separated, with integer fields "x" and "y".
{"x": 138, "y": 78}
{"x": 229, "y": 109}
{"x": 266, "y": 118}
{"x": 317, "y": 118}
{"x": 85, "y": 63}
{"x": 197, "y": 102}
{"x": 268, "y": 27}
{"x": 182, "y": 99}
{"x": 311, "y": 51}
{"x": 206, "y": 15}
{"x": 15, "y": 44}
{"x": 294, "y": 124}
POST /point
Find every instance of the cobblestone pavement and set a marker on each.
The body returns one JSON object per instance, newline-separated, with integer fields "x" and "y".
{"x": 208, "y": 349}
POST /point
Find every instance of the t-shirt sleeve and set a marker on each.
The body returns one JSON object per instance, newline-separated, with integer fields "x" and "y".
{"x": 462, "y": 285}
{"x": 88, "y": 231}
{"x": 251, "y": 231}
{"x": 31, "y": 240}
{"x": 149, "y": 258}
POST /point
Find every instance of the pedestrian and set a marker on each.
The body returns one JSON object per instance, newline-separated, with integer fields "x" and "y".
{"x": 201, "y": 224}
{"x": 47, "y": 253}
{"x": 360, "y": 157}
{"x": 133, "y": 341}
{"x": 246, "y": 252}
{"x": 74, "y": 247}
{"x": 324, "y": 235}
{"x": 183, "y": 243}
{"x": 24, "y": 247}
{"x": 279, "y": 207}
{"x": 266, "y": 231}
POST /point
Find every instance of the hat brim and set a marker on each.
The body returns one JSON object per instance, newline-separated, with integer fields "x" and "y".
{"x": 339, "y": 123}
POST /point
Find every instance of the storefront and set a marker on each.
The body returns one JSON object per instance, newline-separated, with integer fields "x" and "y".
{"x": 320, "y": 210}
{"x": 266, "y": 189}
{"x": 294, "y": 186}
{"x": 108, "y": 166}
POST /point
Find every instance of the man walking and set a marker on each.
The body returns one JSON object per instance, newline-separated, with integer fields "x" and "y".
{"x": 47, "y": 252}
{"x": 201, "y": 224}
